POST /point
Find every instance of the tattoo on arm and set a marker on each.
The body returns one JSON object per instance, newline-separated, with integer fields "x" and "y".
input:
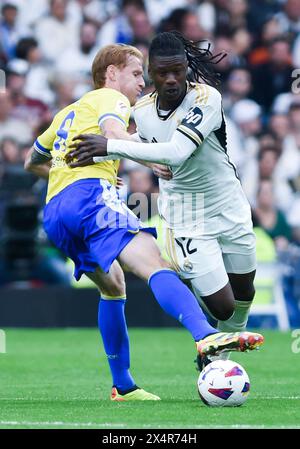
{"x": 38, "y": 158}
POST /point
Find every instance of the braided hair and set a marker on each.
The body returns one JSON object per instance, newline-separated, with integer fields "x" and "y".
{"x": 200, "y": 61}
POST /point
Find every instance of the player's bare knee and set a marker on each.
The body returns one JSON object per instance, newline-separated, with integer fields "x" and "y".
{"x": 224, "y": 312}
{"x": 164, "y": 263}
{"x": 158, "y": 263}
{"x": 114, "y": 289}
{"x": 245, "y": 294}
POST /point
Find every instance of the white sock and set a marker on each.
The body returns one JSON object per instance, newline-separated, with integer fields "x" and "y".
{"x": 236, "y": 323}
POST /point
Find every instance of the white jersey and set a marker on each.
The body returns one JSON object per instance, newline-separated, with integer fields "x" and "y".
{"x": 205, "y": 182}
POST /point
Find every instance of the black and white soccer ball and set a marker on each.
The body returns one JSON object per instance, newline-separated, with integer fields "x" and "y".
{"x": 223, "y": 383}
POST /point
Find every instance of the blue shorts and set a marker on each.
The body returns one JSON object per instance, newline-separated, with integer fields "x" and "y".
{"x": 90, "y": 224}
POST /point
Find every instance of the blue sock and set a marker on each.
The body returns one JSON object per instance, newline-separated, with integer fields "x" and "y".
{"x": 179, "y": 302}
{"x": 113, "y": 329}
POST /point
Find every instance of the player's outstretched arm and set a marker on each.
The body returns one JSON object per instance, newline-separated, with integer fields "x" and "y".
{"x": 93, "y": 148}
{"x": 89, "y": 144}
{"x": 37, "y": 164}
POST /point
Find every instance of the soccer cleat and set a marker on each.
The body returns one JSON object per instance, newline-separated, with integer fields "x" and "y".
{"x": 136, "y": 395}
{"x": 202, "y": 362}
{"x": 222, "y": 341}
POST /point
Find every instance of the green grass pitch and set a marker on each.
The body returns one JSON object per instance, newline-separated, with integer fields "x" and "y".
{"x": 60, "y": 379}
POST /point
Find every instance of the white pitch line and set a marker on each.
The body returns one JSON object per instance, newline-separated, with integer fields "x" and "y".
{"x": 153, "y": 426}
{"x": 60, "y": 423}
{"x": 95, "y": 399}
{"x": 274, "y": 397}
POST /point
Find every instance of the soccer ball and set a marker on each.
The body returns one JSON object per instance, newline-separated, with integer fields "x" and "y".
{"x": 223, "y": 383}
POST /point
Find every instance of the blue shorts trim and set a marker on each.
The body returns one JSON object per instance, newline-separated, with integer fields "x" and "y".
{"x": 90, "y": 224}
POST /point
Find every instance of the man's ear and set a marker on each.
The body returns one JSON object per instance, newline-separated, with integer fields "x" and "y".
{"x": 111, "y": 72}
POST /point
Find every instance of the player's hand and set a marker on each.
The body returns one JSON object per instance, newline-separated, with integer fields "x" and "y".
{"x": 162, "y": 171}
{"x": 85, "y": 148}
{"x": 119, "y": 183}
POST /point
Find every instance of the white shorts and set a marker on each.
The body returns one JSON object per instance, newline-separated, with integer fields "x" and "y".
{"x": 210, "y": 257}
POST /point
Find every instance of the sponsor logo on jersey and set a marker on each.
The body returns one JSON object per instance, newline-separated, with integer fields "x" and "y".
{"x": 194, "y": 117}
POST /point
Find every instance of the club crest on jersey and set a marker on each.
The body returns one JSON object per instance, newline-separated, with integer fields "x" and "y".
{"x": 121, "y": 108}
{"x": 194, "y": 117}
{"x": 187, "y": 265}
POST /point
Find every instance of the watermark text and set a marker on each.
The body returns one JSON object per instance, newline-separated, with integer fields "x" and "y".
{"x": 296, "y": 82}
{"x": 2, "y": 342}
{"x": 296, "y": 341}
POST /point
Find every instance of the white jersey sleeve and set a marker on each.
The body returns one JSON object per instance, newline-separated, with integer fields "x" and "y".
{"x": 173, "y": 153}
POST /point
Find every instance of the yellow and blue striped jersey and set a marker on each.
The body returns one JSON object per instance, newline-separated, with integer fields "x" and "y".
{"x": 85, "y": 116}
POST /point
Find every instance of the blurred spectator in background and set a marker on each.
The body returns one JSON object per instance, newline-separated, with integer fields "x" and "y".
{"x": 241, "y": 44}
{"x": 57, "y": 31}
{"x": 27, "y": 17}
{"x": 13, "y": 180}
{"x": 238, "y": 87}
{"x": 64, "y": 86}
{"x": 274, "y": 76}
{"x": 279, "y": 127}
{"x": 158, "y": 10}
{"x": 186, "y": 22}
{"x": 289, "y": 163}
{"x": 30, "y": 111}
{"x": 222, "y": 43}
{"x": 260, "y": 53}
{"x": 259, "y": 12}
{"x": 237, "y": 14}
{"x": 38, "y": 71}
{"x": 9, "y": 31}
{"x": 247, "y": 115}
{"x": 231, "y": 14}
{"x": 93, "y": 11}
{"x": 79, "y": 60}
{"x": 12, "y": 127}
{"x": 289, "y": 18}
{"x": 118, "y": 28}
{"x": 283, "y": 101}
{"x": 141, "y": 27}
{"x": 264, "y": 168}
{"x": 269, "y": 217}
{"x": 9, "y": 152}
{"x": 207, "y": 17}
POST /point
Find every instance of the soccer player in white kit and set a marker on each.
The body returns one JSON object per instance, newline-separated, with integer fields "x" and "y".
{"x": 209, "y": 232}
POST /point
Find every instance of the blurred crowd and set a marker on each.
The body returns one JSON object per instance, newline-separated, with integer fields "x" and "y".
{"x": 47, "y": 48}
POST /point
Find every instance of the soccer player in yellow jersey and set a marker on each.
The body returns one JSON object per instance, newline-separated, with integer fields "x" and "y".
{"x": 86, "y": 219}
